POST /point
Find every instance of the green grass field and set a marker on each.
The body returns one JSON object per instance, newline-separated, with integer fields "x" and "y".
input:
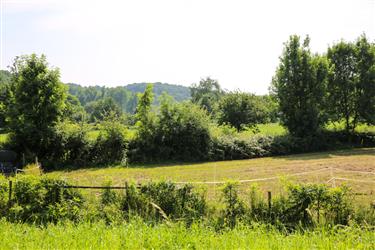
{"x": 138, "y": 235}
{"x": 358, "y": 165}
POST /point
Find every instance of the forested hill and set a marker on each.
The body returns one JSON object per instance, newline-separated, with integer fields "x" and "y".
{"x": 126, "y": 96}
{"x": 179, "y": 93}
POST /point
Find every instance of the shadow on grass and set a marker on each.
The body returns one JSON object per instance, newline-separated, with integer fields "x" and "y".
{"x": 293, "y": 157}
{"x": 328, "y": 154}
{"x": 130, "y": 166}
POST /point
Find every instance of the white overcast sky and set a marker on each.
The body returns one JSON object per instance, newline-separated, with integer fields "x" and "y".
{"x": 112, "y": 43}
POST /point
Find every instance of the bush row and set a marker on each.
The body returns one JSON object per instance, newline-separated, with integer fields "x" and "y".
{"x": 112, "y": 147}
{"x": 43, "y": 200}
{"x": 39, "y": 200}
{"x": 231, "y": 148}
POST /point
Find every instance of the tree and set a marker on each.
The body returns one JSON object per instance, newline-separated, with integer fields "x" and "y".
{"x": 206, "y": 94}
{"x": 241, "y": 109}
{"x": 37, "y": 103}
{"x": 299, "y": 85}
{"x": 145, "y": 123}
{"x": 98, "y": 110}
{"x": 366, "y": 79}
{"x": 5, "y": 77}
{"x": 351, "y": 88}
{"x": 144, "y": 105}
{"x": 343, "y": 89}
{"x": 74, "y": 110}
{"x": 182, "y": 131}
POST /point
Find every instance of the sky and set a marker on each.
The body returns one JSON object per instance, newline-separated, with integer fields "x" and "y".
{"x": 114, "y": 42}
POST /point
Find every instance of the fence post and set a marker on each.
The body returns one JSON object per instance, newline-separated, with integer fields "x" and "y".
{"x": 10, "y": 193}
{"x": 269, "y": 202}
{"x": 126, "y": 188}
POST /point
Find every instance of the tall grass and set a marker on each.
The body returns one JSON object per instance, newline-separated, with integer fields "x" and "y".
{"x": 138, "y": 235}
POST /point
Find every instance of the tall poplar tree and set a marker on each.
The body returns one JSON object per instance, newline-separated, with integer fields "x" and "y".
{"x": 299, "y": 85}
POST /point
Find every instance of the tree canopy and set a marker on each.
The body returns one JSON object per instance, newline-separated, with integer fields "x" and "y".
{"x": 37, "y": 102}
{"x": 299, "y": 84}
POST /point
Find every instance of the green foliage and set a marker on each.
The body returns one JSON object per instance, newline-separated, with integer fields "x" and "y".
{"x": 241, "y": 110}
{"x": 178, "y": 92}
{"x": 351, "y": 86}
{"x": 299, "y": 85}
{"x": 366, "y": 79}
{"x": 178, "y": 132}
{"x": 232, "y": 148}
{"x": 111, "y": 144}
{"x": 234, "y": 207}
{"x": 144, "y": 105}
{"x": 125, "y": 97}
{"x": 206, "y": 94}
{"x": 37, "y": 104}
{"x": 98, "y": 110}
{"x": 182, "y": 132}
{"x": 42, "y": 200}
{"x": 5, "y": 77}
{"x": 342, "y": 87}
{"x": 74, "y": 110}
{"x": 72, "y": 145}
{"x": 140, "y": 235}
{"x": 163, "y": 201}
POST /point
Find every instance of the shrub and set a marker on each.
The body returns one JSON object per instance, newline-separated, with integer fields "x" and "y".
{"x": 179, "y": 132}
{"x": 4, "y": 192}
{"x": 42, "y": 200}
{"x": 232, "y": 148}
{"x": 304, "y": 205}
{"x": 234, "y": 207}
{"x": 164, "y": 200}
{"x": 72, "y": 145}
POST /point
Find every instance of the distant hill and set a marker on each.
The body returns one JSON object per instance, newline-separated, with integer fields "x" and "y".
{"x": 179, "y": 93}
{"x": 5, "y": 76}
{"x": 126, "y": 96}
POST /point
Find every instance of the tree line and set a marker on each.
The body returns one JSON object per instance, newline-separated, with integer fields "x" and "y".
{"x": 308, "y": 90}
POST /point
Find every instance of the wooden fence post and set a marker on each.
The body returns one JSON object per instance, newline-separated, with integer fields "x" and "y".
{"x": 269, "y": 202}
{"x": 10, "y": 193}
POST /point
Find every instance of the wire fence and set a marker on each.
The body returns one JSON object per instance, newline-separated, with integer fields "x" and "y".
{"x": 333, "y": 177}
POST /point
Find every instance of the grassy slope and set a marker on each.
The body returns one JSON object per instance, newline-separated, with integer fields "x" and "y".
{"x": 283, "y": 167}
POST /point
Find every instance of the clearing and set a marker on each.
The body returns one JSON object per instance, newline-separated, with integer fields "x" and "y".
{"x": 354, "y": 167}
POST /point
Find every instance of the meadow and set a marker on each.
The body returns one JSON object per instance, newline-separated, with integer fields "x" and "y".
{"x": 354, "y": 167}
{"x": 138, "y": 235}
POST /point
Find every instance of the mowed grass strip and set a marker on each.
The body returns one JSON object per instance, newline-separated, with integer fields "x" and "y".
{"x": 303, "y": 168}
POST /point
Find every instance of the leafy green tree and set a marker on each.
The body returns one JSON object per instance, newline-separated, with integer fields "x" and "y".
{"x": 351, "y": 88}
{"x": 343, "y": 88}
{"x": 182, "y": 131}
{"x": 5, "y": 77}
{"x": 366, "y": 79}
{"x": 144, "y": 106}
{"x": 145, "y": 124}
{"x": 98, "y": 110}
{"x": 299, "y": 85}
{"x": 206, "y": 94}
{"x": 271, "y": 106}
{"x": 241, "y": 109}
{"x": 74, "y": 110}
{"x": 37, "y": 103}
